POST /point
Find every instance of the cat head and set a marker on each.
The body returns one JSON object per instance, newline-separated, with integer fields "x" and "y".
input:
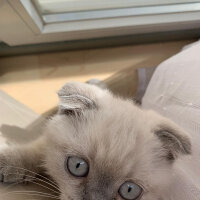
{"x": 102, "y": 147}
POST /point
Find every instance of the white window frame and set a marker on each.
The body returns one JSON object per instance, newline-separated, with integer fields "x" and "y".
{"x": 21, "y": 24}
{"x": 86, "y": 5}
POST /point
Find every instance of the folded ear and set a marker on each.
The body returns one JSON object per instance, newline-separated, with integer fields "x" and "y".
{"x": 175, "y": 141}
{"x": 76, "y": 97}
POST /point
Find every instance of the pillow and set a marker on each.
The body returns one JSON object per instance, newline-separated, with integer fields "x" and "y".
{"x": 174, "y": 91}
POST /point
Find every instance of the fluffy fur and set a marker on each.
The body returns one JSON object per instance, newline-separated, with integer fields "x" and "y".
{"x": 119, "y": 140}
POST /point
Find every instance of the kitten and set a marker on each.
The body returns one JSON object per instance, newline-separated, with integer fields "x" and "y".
{"x": 101, "y": 147}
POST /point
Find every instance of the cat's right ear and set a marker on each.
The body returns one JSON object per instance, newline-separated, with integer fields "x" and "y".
{"x": 76, "y": 97}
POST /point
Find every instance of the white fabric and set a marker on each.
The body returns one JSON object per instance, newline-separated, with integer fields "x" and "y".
{"x": 18, "y": 124}
{"x": 174, "y": 91}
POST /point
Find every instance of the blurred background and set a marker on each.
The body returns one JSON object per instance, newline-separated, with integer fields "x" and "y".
{"x": 45, "y": 43}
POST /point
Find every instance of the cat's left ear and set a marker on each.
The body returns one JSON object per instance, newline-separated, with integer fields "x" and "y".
{"x": 175, "y": 141}
{"x": 77, "y": 97}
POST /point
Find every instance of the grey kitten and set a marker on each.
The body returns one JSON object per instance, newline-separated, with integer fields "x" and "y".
{"x": 101, "y": 147}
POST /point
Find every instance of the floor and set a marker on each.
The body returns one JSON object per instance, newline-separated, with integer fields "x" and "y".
{"x": 34, "y": 79}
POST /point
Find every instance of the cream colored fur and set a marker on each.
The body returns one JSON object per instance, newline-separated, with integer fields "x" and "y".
{"x": 120, "y": 141}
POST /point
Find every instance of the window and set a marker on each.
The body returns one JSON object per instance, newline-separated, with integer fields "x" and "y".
{"x": 73, "y": 10}
{"x": 62, "y": 6}
{"x": 57, "y": 20}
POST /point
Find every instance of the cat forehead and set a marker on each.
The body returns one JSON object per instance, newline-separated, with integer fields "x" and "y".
{"x": 99, "y": 124}
{"x": 116, "y": 111}
{"x": 104, "y": 128}
{"x": 113, "y": 127}
{"x": 103, "y": 137}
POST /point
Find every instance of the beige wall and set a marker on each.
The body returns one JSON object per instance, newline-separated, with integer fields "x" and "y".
{"x": 34, "y": 79}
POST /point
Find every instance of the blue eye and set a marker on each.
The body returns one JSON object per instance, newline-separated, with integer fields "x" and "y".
{"x": 77, "y": 166}
{"x": 130, "y": 191}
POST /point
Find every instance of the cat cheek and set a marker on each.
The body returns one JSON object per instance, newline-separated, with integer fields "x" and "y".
{"x": 149, "y": 196}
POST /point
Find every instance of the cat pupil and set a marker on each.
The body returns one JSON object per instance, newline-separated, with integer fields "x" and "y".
{"x": 78, "y": 165}
{"x": 129, "y": 189}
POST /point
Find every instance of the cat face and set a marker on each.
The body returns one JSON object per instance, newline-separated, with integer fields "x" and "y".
{"x": 101, "y": 147}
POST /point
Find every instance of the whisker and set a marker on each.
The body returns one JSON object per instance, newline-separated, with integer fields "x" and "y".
{"x": 12, "y": 185}
{"x": 46, "y": 187}
{"x": 35, "y": 174}
{"x": 34, "y": 193}
{"x": 41, "y": 180}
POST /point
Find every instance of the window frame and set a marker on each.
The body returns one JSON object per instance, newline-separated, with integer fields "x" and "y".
{"x": 35, "y": 30}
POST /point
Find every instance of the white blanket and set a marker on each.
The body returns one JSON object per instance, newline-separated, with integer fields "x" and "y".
{"x": 174, "y": 91}
{"x": 17, "y": 123}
